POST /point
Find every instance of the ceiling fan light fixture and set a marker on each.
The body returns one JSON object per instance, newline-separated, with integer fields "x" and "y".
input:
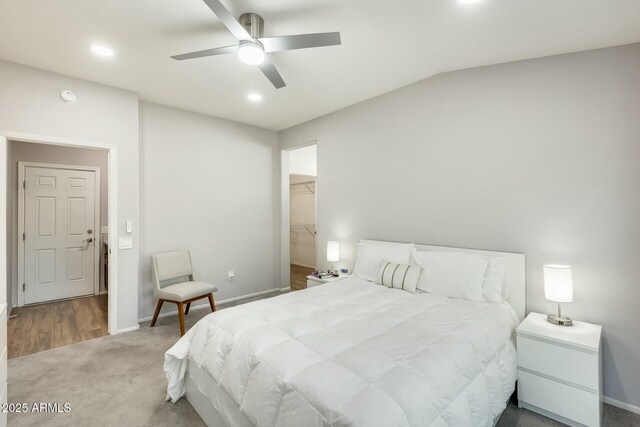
{"x": 251, "y": 47}
{"x": 251, "y": 53}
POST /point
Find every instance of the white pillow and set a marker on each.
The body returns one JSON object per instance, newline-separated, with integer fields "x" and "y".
{"x": 452, "y": 274}
{"x": 370, "y": 256}
{"x": 399, "y": 276}
{"x": 496, "y": 280}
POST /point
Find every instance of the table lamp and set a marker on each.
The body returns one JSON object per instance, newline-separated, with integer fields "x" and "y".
{"x": 558, "y": 287}
{"x": 333, "y": 252}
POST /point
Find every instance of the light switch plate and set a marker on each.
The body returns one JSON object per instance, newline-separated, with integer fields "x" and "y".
{"x": 125, "y": 243}
{"x": 129, "y": 227}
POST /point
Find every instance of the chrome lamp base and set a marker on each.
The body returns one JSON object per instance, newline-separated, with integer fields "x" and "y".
{"x": 559, "y": 319}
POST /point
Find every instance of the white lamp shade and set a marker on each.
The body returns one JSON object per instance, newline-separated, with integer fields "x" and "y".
{"x": 558, "y": 285}
{"x": 333, "y": 251}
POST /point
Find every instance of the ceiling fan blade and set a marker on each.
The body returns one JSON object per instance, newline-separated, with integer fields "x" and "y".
{"x": 206, "y": 52}
{"x": 269, "y": 70}
{"x": 228, "y": 20}
{"x": 300, "y": 41}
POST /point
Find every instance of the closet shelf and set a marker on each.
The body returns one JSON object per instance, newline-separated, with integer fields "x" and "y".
{"x": 304, "y": 228}
{"x": 304, "y": 187}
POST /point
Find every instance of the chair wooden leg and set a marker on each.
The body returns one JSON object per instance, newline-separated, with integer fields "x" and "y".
{"x": 155, "y": 315}
{"x": 186, "y": 311}
{"x": 181, "y": 317}
{"x": 211, "y": 302}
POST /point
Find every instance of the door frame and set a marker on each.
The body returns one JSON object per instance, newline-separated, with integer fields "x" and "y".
{"x": 112, "y": 151}
{"x": 22, "y": 170}
{"x": 285, "y": 220}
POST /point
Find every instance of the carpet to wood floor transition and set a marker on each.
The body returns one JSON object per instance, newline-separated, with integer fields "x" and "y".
{"x": 118, "y": 380}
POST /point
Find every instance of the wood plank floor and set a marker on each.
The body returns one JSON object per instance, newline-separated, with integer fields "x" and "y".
{"x": 42, "y": 327}
{"x": 298, "y": 276}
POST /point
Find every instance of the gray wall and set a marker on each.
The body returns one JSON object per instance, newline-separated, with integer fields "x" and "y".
{"x": 43, "y": 153}
{"x": 208, "y": 185}
{"x": 539, "y": 157}
{"x": 29, "y": 103}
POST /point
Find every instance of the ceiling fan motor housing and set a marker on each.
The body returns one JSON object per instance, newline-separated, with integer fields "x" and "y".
{"x": 253, "y": 23}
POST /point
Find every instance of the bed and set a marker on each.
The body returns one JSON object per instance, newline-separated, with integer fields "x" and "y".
{"x": 352, "y": 353}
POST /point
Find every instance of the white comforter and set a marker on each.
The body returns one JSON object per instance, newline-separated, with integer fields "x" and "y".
{"x": 351, "y": 353}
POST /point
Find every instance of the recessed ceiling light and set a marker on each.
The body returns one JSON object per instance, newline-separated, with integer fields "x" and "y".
{"x": 468, "y": 1}
{"x": 101, "y": 50}
{"x": 254, "y": 97}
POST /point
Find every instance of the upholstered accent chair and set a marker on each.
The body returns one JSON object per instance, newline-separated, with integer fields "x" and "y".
{"x": 173, "y": 267}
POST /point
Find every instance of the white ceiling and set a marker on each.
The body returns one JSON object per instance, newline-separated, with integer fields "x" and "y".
{"x": 386, "y": 44}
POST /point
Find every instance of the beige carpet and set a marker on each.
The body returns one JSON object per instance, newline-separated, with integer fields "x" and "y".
{"x": 110, "y": 381}
{"x": 118, "y": 381}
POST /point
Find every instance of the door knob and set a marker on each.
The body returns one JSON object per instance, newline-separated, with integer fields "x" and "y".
{"x": 89, "y": 240}
{"x": 89, "y": 231}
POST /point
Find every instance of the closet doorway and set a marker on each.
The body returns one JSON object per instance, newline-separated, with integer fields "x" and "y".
{"x": 302, "y": 177}
{"x": 302, "y": 214}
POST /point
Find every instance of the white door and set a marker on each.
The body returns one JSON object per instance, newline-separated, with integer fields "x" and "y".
{"x": 59, "y": 215}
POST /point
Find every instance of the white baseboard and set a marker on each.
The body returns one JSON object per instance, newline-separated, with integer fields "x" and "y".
{"x": 133, "y": 328}
{"x": 103, "y": 292}
{"x": 206, "y": 305}
{"x": 621, "y": 405}
{"x": 255, "y": 294}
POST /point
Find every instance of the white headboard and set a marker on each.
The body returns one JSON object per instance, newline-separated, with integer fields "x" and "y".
{"x": 517, "y": 290}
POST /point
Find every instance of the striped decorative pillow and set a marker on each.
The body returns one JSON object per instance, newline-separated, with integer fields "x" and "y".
{"x": 399, "y": 276}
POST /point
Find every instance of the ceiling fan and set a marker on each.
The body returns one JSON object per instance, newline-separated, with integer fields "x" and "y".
{"x": 253, "y": 47}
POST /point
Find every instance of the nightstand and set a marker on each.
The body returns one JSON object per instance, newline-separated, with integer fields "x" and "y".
{"x": 315, "y": 281}
{"x": 560, "y": 370}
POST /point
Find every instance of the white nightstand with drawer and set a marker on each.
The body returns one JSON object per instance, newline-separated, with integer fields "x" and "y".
{"x": 560, "y": 370}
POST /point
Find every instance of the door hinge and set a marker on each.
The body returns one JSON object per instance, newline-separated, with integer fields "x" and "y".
{"x": 24, "y": 236}
{"x": 23, "y": 287}
{"x": 24, "y": 184}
